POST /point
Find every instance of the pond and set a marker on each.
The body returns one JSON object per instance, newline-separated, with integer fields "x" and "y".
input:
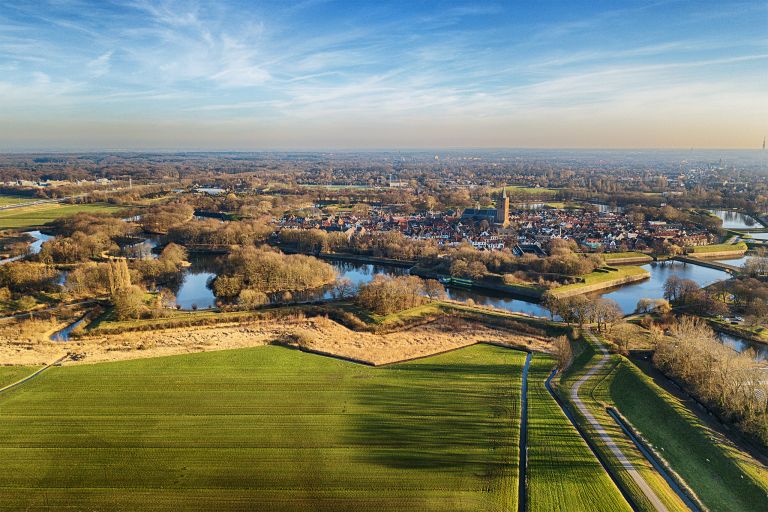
{"x": 653, "y": 288}
{"x": 741, "y": 344}
{"x": 736, "y": 220}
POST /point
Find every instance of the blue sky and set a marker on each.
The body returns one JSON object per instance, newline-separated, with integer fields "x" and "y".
{"x": 245, "y": 75}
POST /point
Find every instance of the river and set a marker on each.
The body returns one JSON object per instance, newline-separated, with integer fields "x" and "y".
{"x": 34, "y": 247}
{"x": 653, "y": 288}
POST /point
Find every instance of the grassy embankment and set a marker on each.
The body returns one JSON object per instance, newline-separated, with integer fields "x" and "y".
{"x": 632, "y": 256}
{"x": 339, "y": 311}
{"x": 723, "y": 477}
{"x": 269, "y": 428}
{"x": 586, "y": 359}
{"x": 563, "y": 474}
{"x": 602, "y": 278}
{"x": 39, "y": 215}
{"x": 705, "y": 249}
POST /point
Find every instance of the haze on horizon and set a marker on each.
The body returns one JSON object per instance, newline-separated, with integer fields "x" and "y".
{"x": 239, "y": 75}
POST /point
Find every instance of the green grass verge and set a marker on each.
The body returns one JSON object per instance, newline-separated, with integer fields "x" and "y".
{"x": 7, "y": 199}
{"x": 739, "y": 247}
{"x": 267, "y": 428}
{"x": 720, "y": 475}
{"x": 11, "y": 374}
{"x": 626, "y": 255}
{"x": 39, "y": 215}
{"x": 563, "y": 474}
{"x": 598, "y": 277}
{"x": 587, "y": 358}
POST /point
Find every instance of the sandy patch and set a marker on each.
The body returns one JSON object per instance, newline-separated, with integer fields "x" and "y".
{"x": 318, "y": 334}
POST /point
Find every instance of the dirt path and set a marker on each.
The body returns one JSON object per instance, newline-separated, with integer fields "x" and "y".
{"x": 32, "y": 375}
{"x": 603, "y": 435}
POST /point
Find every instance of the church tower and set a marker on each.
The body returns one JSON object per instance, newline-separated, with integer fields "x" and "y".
{"x": 502, "y": 208}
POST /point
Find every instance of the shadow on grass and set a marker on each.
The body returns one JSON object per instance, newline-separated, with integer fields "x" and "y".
{"x": 451, "y": 417}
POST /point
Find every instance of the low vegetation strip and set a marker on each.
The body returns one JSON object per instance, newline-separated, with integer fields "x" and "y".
{"x": 723, "y": 477}
{"x": 602, "y": 279}
{"x": 627, "y": 257}
{"x": 719, "y": 248}
{"x": 38, "y": 215}
{"x": 267, "y": 428}
{"x": 563, "y": 474}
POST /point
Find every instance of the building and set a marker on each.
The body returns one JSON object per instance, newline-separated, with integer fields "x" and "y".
{"x": 502, "y": 209}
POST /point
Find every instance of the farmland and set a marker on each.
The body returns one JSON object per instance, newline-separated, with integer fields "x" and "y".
{"x": 269, "y": 425}
{"x": 11, "y": 374}
{"x": 38, "y": 215}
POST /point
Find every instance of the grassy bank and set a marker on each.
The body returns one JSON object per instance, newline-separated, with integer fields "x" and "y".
{"x": 39, "y": 215}
{"x": 721, "y": 476}
{"x": 601, "y": 278}
{"x": 563, "y": 474}
{"x": 266, "y": 428}
{"x": 8, "y": 199}
{"x": 632, "y": 256}
{"x": 705, "y": 249}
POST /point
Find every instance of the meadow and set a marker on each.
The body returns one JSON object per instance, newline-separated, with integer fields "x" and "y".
{"x": 39, "y": 215}
{"x": 270, "y": 426}
{"x": 11, "y": 374}
{"x": 8, "y": 199}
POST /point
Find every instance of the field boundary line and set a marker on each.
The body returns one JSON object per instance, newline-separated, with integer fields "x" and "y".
{"x": 522, "y": 487}
{"x": 33, "y": 375}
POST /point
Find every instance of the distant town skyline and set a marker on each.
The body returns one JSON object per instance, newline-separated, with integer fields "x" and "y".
{"x": 239, "y": 75}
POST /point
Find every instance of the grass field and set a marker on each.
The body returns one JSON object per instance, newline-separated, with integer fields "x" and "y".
{"x": 6, "y": 200}
{"x": 563, "y": 474}
{"x": 11, "y": 374}
{"x": 266, "y": 429}
{"x": 39, "y": 215}
{"x": 703, "y": 249}
{"x": 722, "y": 477}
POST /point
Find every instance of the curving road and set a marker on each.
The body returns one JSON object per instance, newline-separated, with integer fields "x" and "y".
{"x": 603, "y": 435}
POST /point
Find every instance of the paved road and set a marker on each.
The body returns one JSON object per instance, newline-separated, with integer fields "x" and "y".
{"x": 615, "y": 450}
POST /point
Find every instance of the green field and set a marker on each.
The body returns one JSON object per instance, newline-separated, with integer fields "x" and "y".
{"x": 11, "y": 374}
{"x": 38, "y": 215}
{"x": 266, "y": 428}
{"x": 722, "y": 477}
{"x": 7, "y": 199}
{"x": 703, "y": 249}
{"x": 563, "y": 474}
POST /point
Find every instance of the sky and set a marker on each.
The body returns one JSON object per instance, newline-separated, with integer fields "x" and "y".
{"x": 320, "y": 74}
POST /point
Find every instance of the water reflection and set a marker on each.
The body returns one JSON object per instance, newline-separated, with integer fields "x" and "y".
{"x": 34, "y": 247}
{"x": 735, "y": 220}
{"x": 653, "y": 287}
{"x": 741, "y": 344}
